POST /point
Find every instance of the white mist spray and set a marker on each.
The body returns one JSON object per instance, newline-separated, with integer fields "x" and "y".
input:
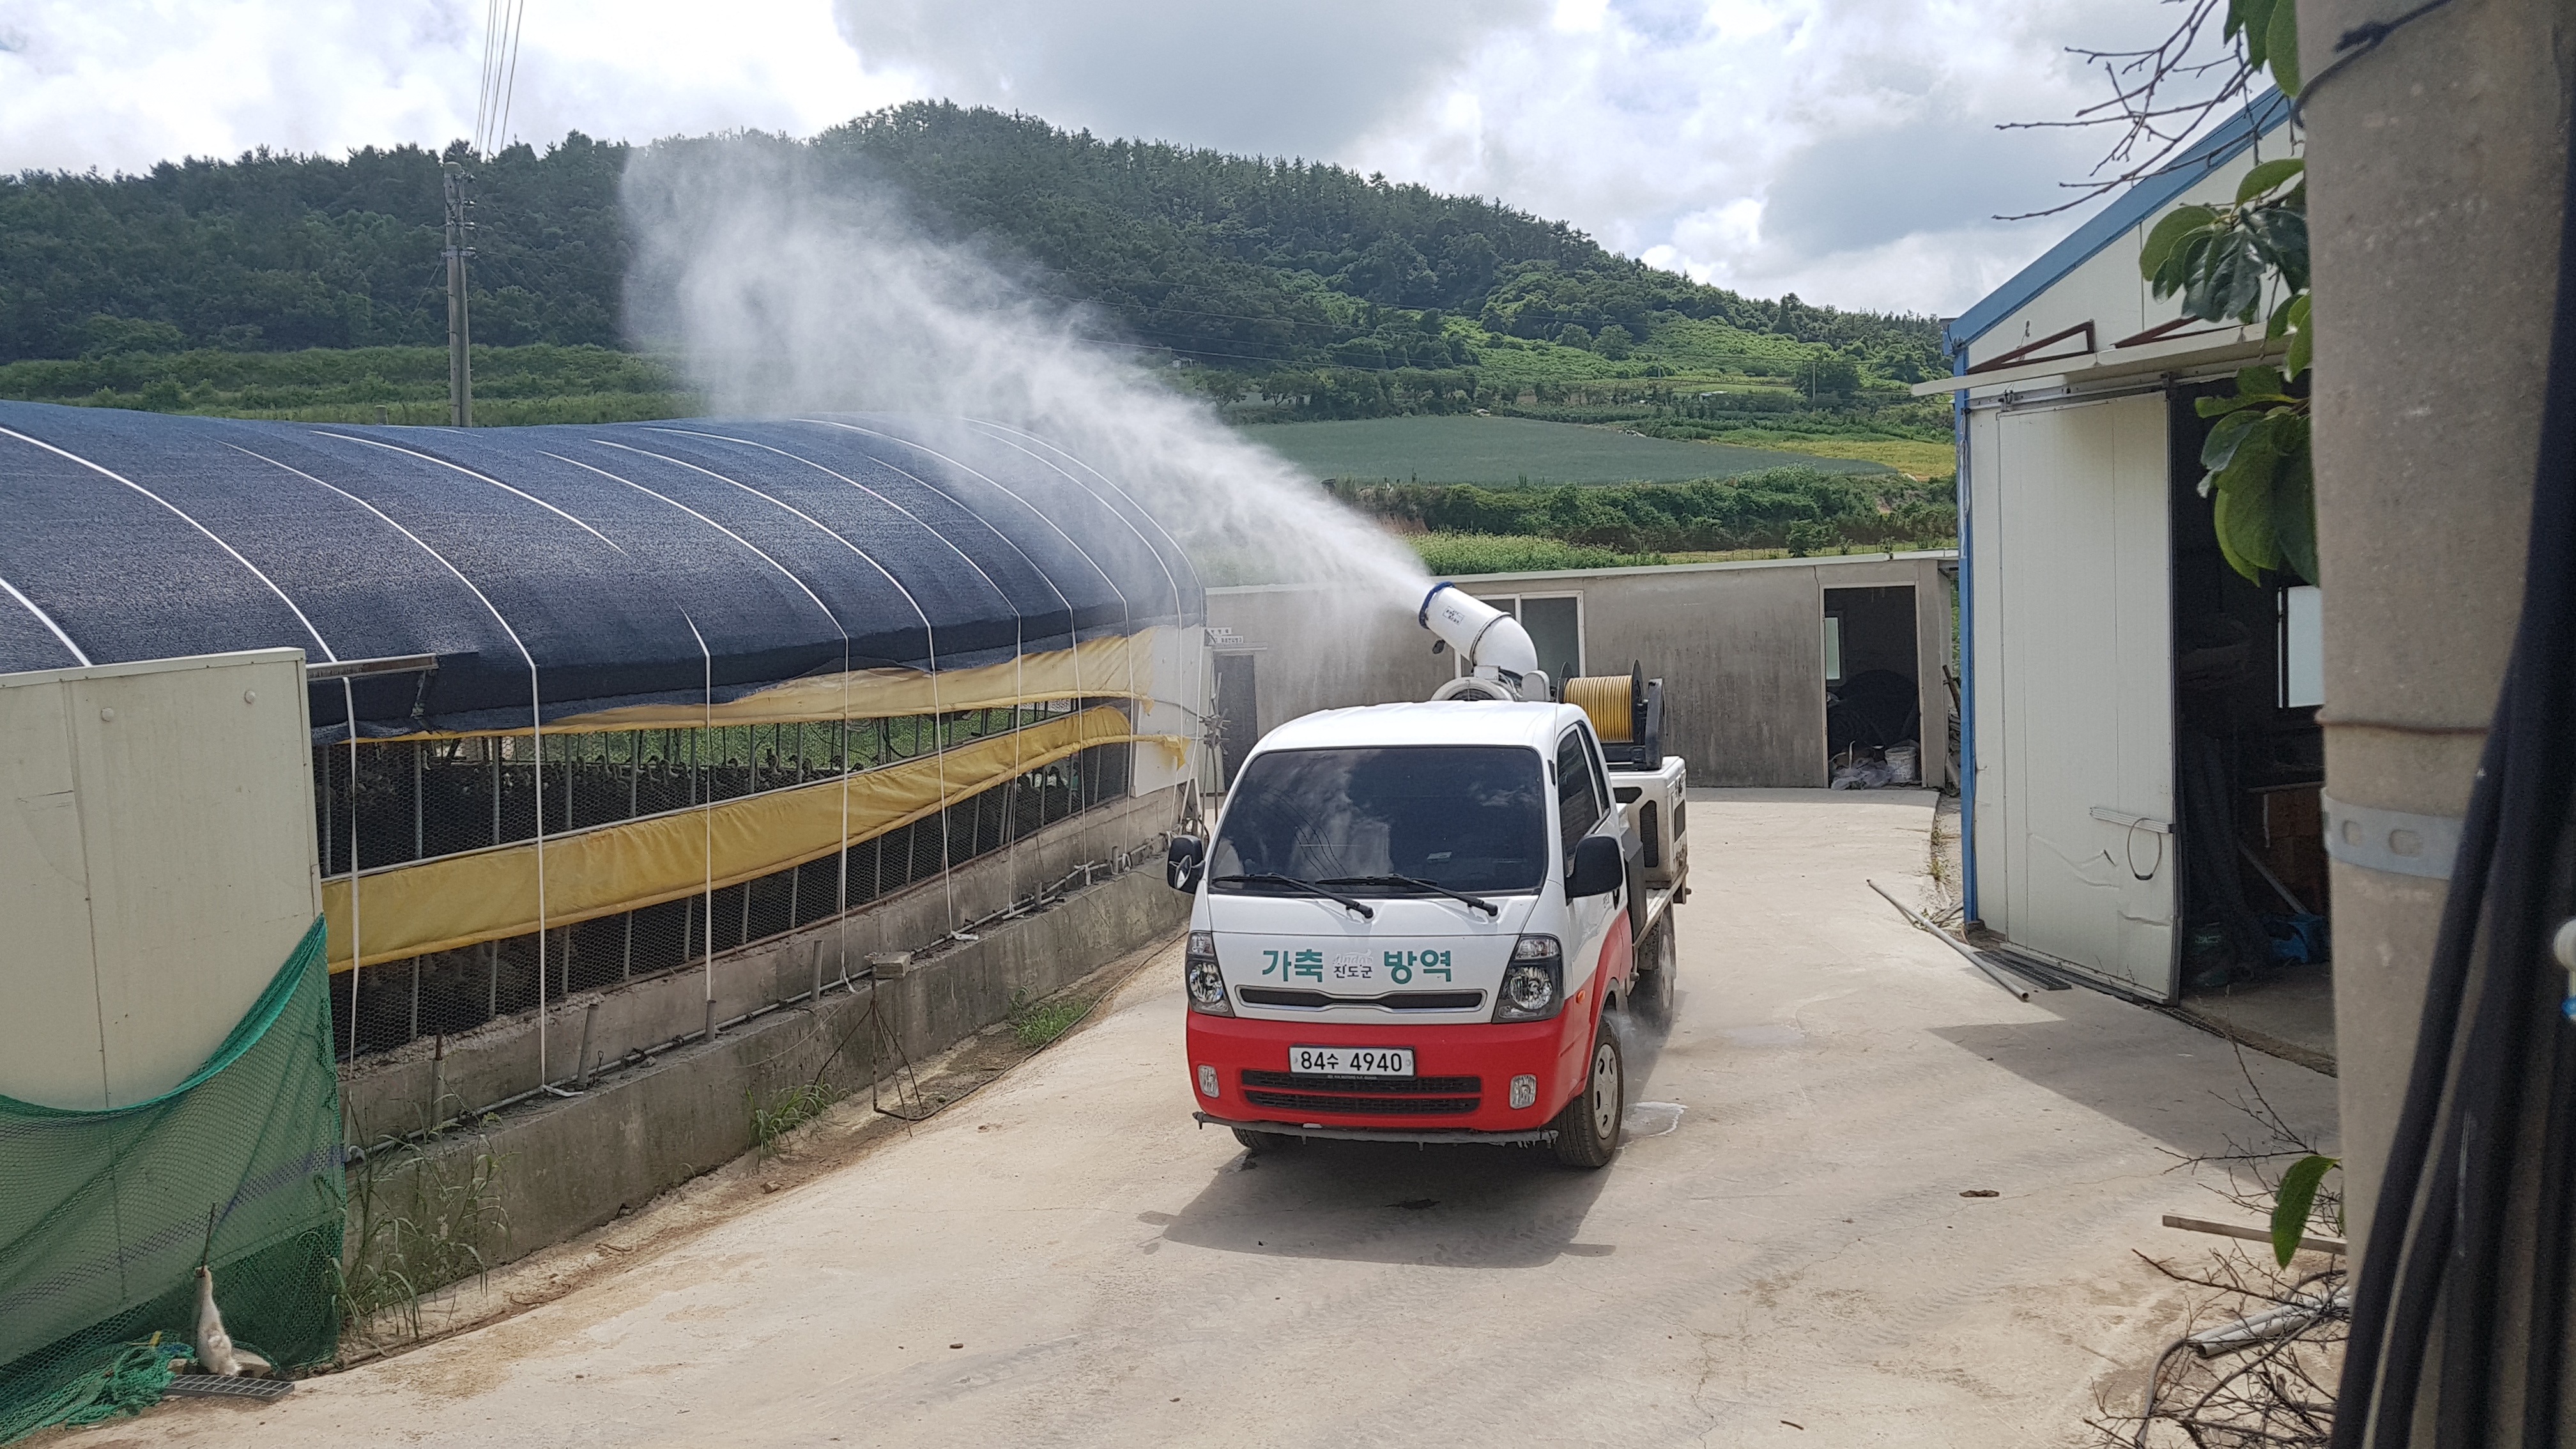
{"x": 791, "y": 285}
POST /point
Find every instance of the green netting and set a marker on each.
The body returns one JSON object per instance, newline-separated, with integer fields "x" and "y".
{"x": 103, "y": 1216}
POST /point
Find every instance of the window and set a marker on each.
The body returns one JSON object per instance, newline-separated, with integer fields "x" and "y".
{"x": 1555, "y": 626}
{"x": 1578, "y": 789}
{"x": 1833, "y": 649}
{"x": 1470, "y": 817}
{"x": 2303, "y": 647}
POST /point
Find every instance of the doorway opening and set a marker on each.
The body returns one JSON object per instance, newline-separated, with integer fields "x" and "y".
{"x": 2249, "y": 768}
{"x": 1873, "y": 695}
{"x": 1238, "y": 715}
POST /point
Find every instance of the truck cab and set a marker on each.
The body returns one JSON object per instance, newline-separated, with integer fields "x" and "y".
{"x": 1409, "y": 920}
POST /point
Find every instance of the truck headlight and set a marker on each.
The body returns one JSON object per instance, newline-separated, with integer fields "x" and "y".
{"x": 1208, "y": 1086}
{"x": 1524, "y": 1091}
{"x": 1205, "y": 981}
{"x": 1533, "y": 987}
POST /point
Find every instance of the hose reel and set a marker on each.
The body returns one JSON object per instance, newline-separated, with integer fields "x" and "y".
{"x": 1627, "y": 713}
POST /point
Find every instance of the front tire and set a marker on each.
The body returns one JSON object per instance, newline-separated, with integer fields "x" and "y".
{"x": 1587, "y": 1131}
{"x": 1258, "y": 1142}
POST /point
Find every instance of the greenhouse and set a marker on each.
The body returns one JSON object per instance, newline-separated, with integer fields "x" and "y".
{"x": 595, "y": 703}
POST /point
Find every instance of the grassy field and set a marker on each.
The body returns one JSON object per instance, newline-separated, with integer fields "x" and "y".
{"x": 1451, "y": 554}
{"x": 1913, "y": 459}
{"x": 407, "y": 385}
{"x": 1467, "y": 449}
{"x": 1456, "y": 555}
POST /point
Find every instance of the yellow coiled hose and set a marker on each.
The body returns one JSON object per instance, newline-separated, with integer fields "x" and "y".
{"x": 1610, "y": 701}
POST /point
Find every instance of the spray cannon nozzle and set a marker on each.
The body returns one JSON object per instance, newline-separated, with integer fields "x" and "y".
{"x": 1491, "y": 645}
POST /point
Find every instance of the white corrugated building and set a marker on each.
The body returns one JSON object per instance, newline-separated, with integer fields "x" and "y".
{"x": 2140, "y": 734}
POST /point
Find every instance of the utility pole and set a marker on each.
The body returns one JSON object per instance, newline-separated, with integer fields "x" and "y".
{"x": 460, "y": 368}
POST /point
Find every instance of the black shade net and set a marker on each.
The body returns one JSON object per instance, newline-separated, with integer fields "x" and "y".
{"x": 581, "y": 567}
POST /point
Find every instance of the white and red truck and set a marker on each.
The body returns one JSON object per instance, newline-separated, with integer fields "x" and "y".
{"x": 1410, "y": 919}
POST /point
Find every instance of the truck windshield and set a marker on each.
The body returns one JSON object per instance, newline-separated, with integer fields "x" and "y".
{"x": 1468, "y": 817}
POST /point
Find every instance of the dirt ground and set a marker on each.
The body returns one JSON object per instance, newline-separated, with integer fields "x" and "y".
{"x": 1782, "y": 1254}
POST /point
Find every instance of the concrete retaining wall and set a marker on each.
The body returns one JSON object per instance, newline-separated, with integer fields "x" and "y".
{"x": 393, "y": 1092}
{"x": 570, "y": 1164}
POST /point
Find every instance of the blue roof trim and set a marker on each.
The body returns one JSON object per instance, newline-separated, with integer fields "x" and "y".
{"x": 2150, "y": 195}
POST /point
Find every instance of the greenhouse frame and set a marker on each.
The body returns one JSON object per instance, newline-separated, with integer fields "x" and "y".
{"x": 591, "y": 704}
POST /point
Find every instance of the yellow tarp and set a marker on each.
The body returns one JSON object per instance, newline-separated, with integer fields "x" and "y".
{"x": 440, "y": 905}
{"x": 1119, "y": 667}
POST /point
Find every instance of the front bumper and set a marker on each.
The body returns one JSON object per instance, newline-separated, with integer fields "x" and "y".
{"x": 1461, "y": 1082}
{"x": 1383, "y": 1134}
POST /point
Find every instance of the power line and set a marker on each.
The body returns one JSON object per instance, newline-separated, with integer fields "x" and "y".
{"x": 498, "y": 78}
{"x": 510, "y": 88}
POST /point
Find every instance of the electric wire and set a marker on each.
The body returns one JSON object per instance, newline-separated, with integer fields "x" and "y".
{"x": 510, "y": 85}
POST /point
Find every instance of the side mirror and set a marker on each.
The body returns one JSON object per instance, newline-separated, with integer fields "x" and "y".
{"x": 1598, "y": 868}
{"x": 1183, "y": 861}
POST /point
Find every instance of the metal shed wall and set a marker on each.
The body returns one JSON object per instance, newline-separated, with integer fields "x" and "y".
{"x": 2067, "y": 579}
{"x": 1738, "y": 646}
{"x": 156, "y": 866}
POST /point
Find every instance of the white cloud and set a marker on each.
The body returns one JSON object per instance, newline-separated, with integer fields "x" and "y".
{"x": 1841, "y": 149}
{"x": 1271, "y": 79}
{"x": 121, "y": 84}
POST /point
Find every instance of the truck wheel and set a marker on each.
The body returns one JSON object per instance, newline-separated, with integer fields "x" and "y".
{"x": 1650, "y": 989}
{"x": 1257, "y": 1142}
{"x": 1587, "y": 1131}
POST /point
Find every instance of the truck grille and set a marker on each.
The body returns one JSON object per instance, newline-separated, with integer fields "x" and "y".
{"x": 1367, "y": 1096}
{"x": 1370, "y": 1086}
{"x": 1364, "y": 1106}
{"x": 1391, "y": 1001}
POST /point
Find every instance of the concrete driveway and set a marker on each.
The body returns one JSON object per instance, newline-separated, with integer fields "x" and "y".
{"x": 1781, "y": 1255}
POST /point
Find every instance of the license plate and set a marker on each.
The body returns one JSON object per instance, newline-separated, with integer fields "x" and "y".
{"x": 1323, "y": 1061}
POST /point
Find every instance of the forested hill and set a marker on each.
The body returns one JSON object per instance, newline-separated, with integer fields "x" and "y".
{"x": 1235, "y": 263}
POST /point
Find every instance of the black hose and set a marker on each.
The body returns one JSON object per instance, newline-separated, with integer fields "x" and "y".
{"x": 2510, "y": 886}
{"x": 2410, "y": 1147}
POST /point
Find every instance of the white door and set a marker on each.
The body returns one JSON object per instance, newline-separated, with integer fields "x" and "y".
{"x": 1583, "y": 809}
{"x": 2074, "y": 727}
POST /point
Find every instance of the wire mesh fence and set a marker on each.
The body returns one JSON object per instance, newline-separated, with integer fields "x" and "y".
{"x": 394, "y": 802}
{"x": 414, "y": 801}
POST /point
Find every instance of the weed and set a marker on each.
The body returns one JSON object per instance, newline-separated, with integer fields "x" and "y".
{"x": 787, "y": 1109}
{"x": 421, "y": 1219}
{"x": 1035, "y": 1023}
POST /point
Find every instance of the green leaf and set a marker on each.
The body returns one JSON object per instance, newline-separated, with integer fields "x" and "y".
{"x": 2294, "y": 498}
{"x": 2168, "y": 233}
{"x": 2259, "y": 381}
{"x": 2302, "y": 349}
{"x": 2219, "y": 452}
{"x": 2242, "y": 515}
{"x": 2279, "y": 236}
{"x": 2229, "y": 280}
{"x": 2241, "y": 512}
{"x": 2281, "y": 47}
{"x": 2252, "y": 19}
{"x": 2219, "y": 407}
{"x": 2266, "y": 176}
{"x": 2290, "y": 1208}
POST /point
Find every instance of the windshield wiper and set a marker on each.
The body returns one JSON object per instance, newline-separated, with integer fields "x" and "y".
{"x": 1433, "y": 886}
{"x": 1264, "y": 877}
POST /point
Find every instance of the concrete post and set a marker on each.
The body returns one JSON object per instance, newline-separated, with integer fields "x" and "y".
{"x": 2436, "y": 165}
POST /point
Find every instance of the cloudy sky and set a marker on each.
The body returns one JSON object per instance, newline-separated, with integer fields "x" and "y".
{"x": 1841, "y": 149}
